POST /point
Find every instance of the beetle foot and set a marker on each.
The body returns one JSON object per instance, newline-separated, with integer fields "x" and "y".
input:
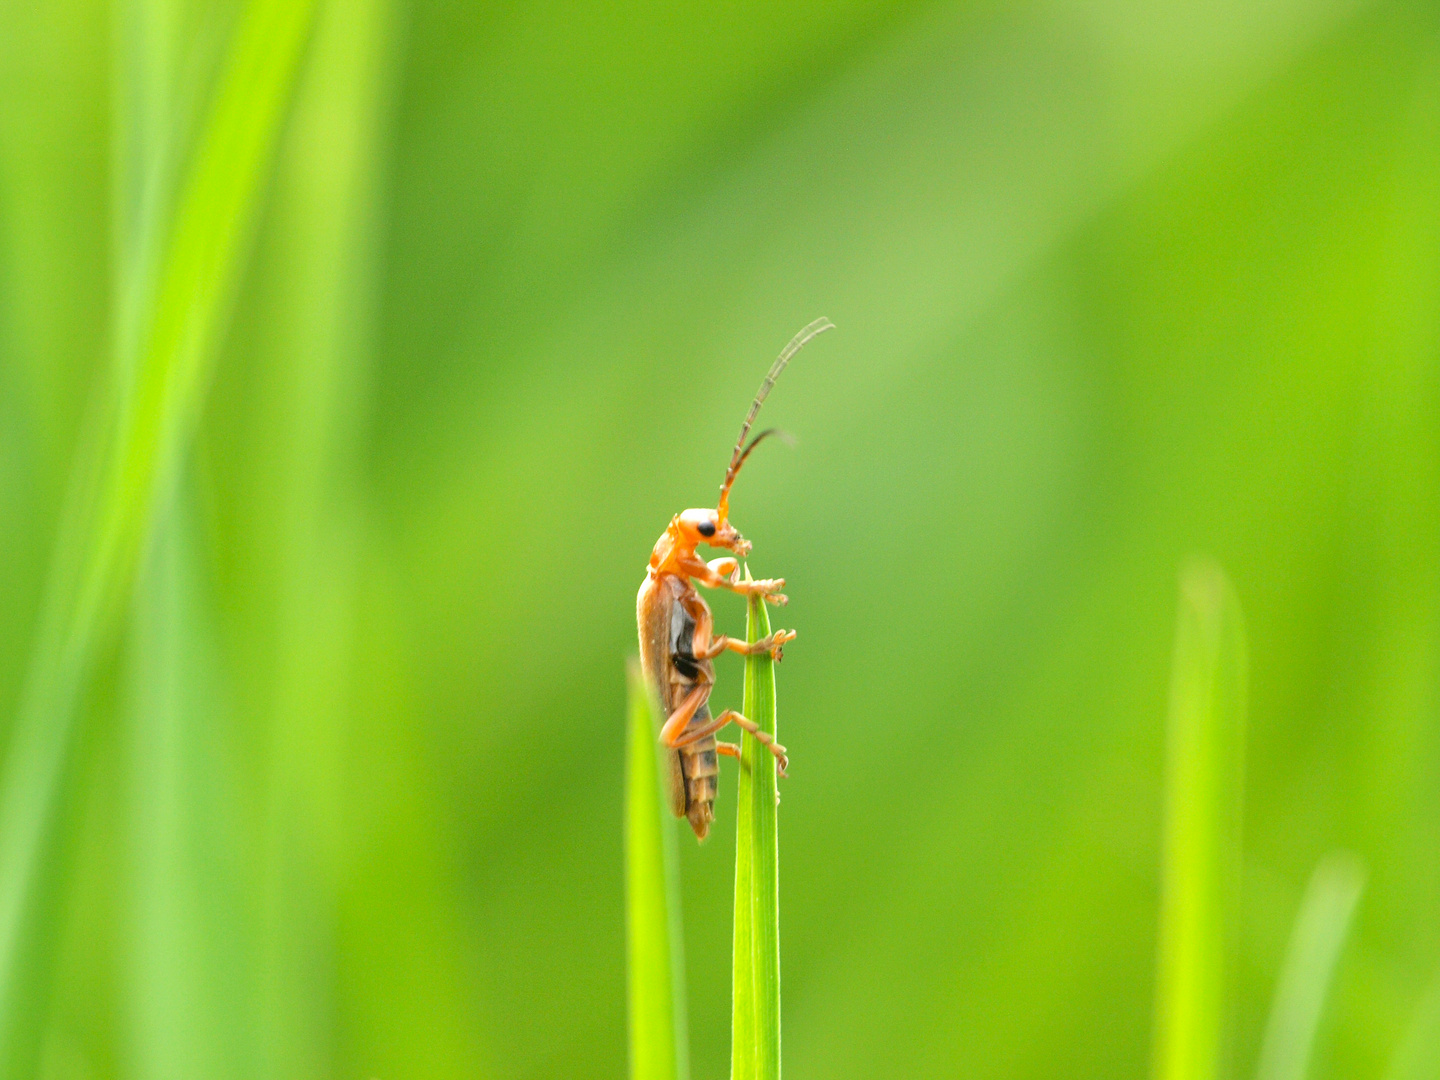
{"x": 777, "y": 643}
{"x": 767, "y": 587}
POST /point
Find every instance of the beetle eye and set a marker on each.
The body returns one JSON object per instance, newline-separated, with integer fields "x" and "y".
{"x": 706, "y": 528}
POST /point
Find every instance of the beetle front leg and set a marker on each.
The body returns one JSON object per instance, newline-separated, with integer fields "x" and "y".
{"x": 766, "y": 587}
{"x": 727, "y": 569}
{"x": 708, "y": 574}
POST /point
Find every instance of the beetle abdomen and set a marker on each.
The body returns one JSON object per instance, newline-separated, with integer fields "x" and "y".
{"x": 701, "y": 767}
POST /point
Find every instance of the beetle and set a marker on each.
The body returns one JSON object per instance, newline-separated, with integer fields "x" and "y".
{"x": 677, "y": 640}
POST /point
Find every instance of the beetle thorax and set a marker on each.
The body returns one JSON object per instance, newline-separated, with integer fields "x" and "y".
{"x": 671, "y": 545}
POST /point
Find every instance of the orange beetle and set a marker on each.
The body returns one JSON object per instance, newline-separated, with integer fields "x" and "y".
{"x": 677, "y": 646}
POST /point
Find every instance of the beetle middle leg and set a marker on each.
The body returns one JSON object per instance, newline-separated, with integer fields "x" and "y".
{"x": 707, "y": 648}
{"x": 771, "y": 643}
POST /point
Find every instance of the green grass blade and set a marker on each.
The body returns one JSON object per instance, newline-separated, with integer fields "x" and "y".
{"x": 1315, "y": 943}
{"x": 755, "y": 1035}
{"x": 656, "y": 967}
{"x": 122, "y": 474}
{"x": 190, "y": 946}
{"x": 1204, "y": 774}
{"x": 311, "y": 364}
{"x": 742, "y": 974}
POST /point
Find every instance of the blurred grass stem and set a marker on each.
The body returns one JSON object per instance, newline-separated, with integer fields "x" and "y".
{"x": 1320, "y": 931}
{"x": 124, "y": 471}
{"x": 655, "y": 959}
{"x": 1204, "y": 773}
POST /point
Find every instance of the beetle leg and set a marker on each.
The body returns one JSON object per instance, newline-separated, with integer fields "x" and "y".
{"x": 676, "y": 733}
{"x": 726, "y": 568}
{"x": 719, "y": 722}
{"x": 771, "y": 643}
{"x": 766, "y": 587}
{"x": 693, "y": 735}
{"x": 766, "y": 739}
{"x": 729, "y": 749}
{"x": 701, "y": 571}
{"x": 672, "y": 732}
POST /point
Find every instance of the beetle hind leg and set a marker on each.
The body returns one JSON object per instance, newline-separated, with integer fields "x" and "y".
{"x": 766, "y": 739}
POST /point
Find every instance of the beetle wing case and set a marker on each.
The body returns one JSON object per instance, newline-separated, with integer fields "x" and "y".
{"x": 654, "y": 607}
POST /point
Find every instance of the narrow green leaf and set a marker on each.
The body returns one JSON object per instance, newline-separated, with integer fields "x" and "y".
{"x": 1204, "y": 774}
{"x": 755, "y": 1035}
{"x": 652, "y": 909}
{"x": 742, "y": 975}
{"x": 1320, "y": 930}
{"x": 312, "y": 346}
{"x": 131, "y": 459}
{"x": 190, "y": 947}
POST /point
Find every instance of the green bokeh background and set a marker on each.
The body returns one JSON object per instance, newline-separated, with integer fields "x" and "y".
{"x": 1114, "y": 283}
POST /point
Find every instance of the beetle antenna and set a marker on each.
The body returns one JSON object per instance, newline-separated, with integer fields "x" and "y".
{"x": 758, "y": 439}
{"x": 742, "y": 451}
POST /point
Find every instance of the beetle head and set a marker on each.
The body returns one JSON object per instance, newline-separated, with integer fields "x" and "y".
{"x": 704, "y": 526}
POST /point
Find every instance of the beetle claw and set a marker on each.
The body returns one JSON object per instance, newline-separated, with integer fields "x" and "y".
{"x": 777, "y": 643}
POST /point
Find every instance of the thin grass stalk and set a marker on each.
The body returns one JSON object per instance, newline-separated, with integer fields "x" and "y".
{"x": 122, "y": 474}
{"x": 656, "y": 965}
{"x": 312, "y": 361}
{"x": 187, "y": 947}
{"x": 1321, "y": 928}
{"x": 1204, "y": 774}
{"x": 755, "y": 1035}
{"x": 742, "y": 976}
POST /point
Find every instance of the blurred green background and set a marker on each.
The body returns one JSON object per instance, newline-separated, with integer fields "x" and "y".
{"x": 337, "y": 773}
